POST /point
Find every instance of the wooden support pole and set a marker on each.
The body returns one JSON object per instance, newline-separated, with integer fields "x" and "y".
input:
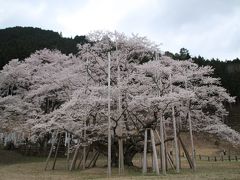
{"x": 75, "y": 157}
{"x": 163, "y": 158}
{"x": 68, "y": 150}
{"x": 191, "y": 137}
{"x": 88, "y": 152}
{"x": 170, "y": 160}
{"x": 84, "y": 125}
{"x": 144, "y": 170}
{"x": 179, "y": 155}
{"x": 49, "y": 156}
{"x": 95, "y": 156}
{"x": 66, "y": 137}
{"x": 160, "y": 156}
{"x": 120, "y": 140}
{"x": 165, "y": 144}
{"x": 174, "y": 130}
{"x": 51, "y": 150}
{"x": 80, "y": 160}
{"x": 109, "y": 118}
{"x": 84, "y": 146}
{"x": 84, "y": 158}
{"x": 95, "y": 161}
{"x": 191, "y": 134}
{"x": 186, "y": 152}
{"x": 56, "y": 152}
{"x": 153, "y": 163}
{"x": 160, "y": 153}
{"x": 175, "y": 140}
{"x": 154, "y": 152}
{"x": 121, "y": 157}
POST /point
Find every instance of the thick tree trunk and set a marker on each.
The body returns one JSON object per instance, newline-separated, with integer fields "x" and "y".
{"x": 132, "y": 146}
{"x": 128, "y": 157}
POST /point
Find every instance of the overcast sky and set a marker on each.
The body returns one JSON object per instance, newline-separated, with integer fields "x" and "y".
{"x": 210, "y": 28}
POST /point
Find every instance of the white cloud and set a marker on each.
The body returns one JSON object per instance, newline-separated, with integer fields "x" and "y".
{"x": 99, "y": 14}
{"x": 208, "y": 28}
{"x": 21, "y": 11}
{"x": 213, "y": 37}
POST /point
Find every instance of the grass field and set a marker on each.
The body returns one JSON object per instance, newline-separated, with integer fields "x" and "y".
{"x": 17, "y": 167}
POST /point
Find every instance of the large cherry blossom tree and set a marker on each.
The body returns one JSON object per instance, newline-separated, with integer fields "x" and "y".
{"x": 51, "y": 91}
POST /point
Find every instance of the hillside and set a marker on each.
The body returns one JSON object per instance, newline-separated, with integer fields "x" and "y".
{"x": 228, "y": 71}
{"x": 20, "y": 42}
{"x": 233, "y": 119}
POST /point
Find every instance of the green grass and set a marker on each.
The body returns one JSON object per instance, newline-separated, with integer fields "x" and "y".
{"x": 16, "y": 167}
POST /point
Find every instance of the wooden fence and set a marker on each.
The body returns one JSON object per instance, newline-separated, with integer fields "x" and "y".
{"x": 218, "y": 158}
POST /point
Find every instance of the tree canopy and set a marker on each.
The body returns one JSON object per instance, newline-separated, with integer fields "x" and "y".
{"x": 20, "y": 42}
{"x": 50, "y": 90}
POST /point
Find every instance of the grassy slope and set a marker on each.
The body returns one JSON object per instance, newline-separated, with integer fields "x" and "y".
{"x": 207, "y": 144}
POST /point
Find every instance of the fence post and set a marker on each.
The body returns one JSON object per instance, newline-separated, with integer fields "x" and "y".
{"x": 215, "y": 158}
{"x": 200, "y": 158}
{"x": 208, "y": 158}
{"x": 229, "y": 157}
{"x": 236, "y": 158}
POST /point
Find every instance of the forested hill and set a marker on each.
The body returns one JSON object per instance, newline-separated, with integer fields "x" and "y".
{"x": 228, "y": 71}
{"x": 20, "y": 42}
